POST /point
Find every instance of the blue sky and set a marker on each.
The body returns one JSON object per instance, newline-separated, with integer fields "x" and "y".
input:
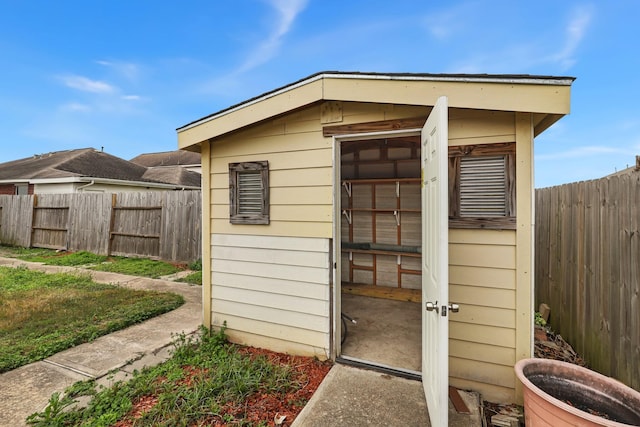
{"x": 124, "y": 75}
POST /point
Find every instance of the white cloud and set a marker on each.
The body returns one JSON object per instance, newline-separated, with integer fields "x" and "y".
{"x": 131, "y": 97}
{"x": 575, "y": 32}
{"x": 128, "y": 70}
{"x": 87, "y": 85}
{"x": 76, "y": 107}
{"x": 447, "y": 23}
{"x": 546, "y": 49}
{"x": 287, "y": 11}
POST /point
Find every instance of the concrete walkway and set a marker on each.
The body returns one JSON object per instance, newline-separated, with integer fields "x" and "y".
{"x": 355, "y": 397}
{"x": 108, "y": 359}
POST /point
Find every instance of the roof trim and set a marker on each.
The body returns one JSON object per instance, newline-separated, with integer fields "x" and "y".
{"x": 462, "y": 78}
{"x": 68, "y": 180}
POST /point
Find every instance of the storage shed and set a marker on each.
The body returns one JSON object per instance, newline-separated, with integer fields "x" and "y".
{"x": 330, "y": 195}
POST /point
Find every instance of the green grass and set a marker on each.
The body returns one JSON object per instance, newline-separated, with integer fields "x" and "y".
{"x": 123, "y": 265}
{"x": 194, "y": 278}
{"x": 137, "y": 267}
{"x": 42, "y": 314}
{"x": 197, "y": 386}
{"x": 27, "y": 254}
{"x": 71, "y": 259}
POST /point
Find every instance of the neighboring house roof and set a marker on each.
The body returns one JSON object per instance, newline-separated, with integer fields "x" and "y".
{"x": 176, "y": 175}
{"x": 167, "y": 158}
{"x": 541, "y": 95}
{"x": 80, "y": 164}
{"x": 629, "y": 170}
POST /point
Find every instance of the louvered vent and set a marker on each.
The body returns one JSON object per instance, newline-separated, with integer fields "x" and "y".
{"x": 249, "y": 192}
{"x": 482, "y": 186}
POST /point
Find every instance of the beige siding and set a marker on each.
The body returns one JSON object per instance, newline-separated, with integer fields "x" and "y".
{"x": 300, "y": 176}
{"x": 272, "y": 290}
{"x": 482, "y": 275}
{"x": 68, "y": 187}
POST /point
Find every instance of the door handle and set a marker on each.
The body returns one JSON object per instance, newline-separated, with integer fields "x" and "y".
{"x": 454, "y": 308}
{"x": 431, "y": 306}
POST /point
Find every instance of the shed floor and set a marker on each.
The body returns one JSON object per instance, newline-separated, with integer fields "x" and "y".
{"x": 388, "y": 332}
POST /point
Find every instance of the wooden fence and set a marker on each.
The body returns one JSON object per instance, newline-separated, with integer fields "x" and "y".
{"x": 162, "y": 225}
{"x": 587, "y": 268}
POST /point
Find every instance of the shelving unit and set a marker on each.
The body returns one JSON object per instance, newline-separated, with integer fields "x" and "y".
{"x": 381, "y": 233}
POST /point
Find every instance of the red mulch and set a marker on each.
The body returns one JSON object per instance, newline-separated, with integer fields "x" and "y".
{"x": 308, "y": 372}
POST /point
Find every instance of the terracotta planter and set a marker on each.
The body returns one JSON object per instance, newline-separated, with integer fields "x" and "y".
{"x": 595, "y": 400}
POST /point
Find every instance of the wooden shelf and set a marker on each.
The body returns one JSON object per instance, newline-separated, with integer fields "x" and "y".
{"x": 385, "y": 213}
{"x": 381, "y": 252}
{"x": 412, "y": 295}
{"x": 381, "y": 210}
{"x": 382, "y": 180}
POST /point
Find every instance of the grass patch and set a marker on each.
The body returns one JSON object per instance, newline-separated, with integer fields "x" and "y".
{"x": 138, "y": 267}
{"x": 116, "y": 264}
{"x": 194, "y": 278}
{"x": 42, "y": 314}
{"x": 28, "y": 254}
{"x": 206, "y": 382}
{"x": 71, "y": 259}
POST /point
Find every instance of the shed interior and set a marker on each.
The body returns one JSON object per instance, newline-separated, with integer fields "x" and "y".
{"x": 381, "y": 250}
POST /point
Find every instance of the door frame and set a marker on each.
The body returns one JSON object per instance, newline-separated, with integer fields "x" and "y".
{"x": 336, "y": 294}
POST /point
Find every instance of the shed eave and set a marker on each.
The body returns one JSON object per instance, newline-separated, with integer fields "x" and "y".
{"x": 323, "y": 83}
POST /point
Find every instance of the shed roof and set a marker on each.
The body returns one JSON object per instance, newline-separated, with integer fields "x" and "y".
{"x": 545, "y": 96}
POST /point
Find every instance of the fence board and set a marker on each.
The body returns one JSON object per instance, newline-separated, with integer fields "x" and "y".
{"x": 17, "y": 214}
{"x": 50, "y": 221}
{"x": 587, "y": 266}
{"x": 89, "y": 223}
{"x": 181, "y": 226}
{"x": 164, "y": 225}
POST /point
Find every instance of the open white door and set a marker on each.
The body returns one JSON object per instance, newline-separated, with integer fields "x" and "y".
{"x": 435, "y": 263}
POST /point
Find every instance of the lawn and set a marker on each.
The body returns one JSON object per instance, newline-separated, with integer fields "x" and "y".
{"x": 206, "y": 382}
{"x": 42, "y": 314}
{"x": 114, "y": 264}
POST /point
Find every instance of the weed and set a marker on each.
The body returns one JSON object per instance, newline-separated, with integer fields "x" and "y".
{"x": 53, "y": 414}
{"x": 81, "y": 388}
{"x": 204, "y": 375}
{"x": 196, "y": 265}
{"x": 539, "y": 320}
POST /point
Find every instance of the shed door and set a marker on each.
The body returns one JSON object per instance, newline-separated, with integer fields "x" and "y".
{"x": 435, "y": 263}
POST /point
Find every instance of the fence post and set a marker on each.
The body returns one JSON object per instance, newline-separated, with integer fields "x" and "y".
{"x": 34, "y": 205}
{"x": 114, "y": 199}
